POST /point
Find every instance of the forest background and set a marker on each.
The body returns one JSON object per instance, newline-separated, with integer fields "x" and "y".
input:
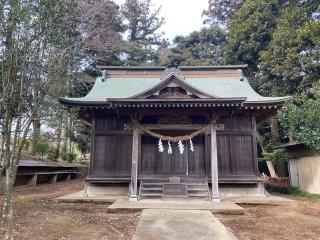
{"x": 51, "y": 48}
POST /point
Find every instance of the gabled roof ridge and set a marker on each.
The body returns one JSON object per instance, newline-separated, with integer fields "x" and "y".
{"x": 171, "y": 74}
{"x": 166, "y": 80}
{"x": 240, "y": 66}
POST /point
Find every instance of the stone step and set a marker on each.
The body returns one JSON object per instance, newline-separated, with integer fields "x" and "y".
{"x": 197, "y": 186}
{"x": 155, "y": 180}
{"x": 154, "y": 187}
{"x": 198, "y": 194}
{"x": 194, "y": 181}
{"x": 151, "y": 195}
{"x": 152, "y": 184}
{"x": 174, "y": 196}
{"x": 144, "y": 188}
{"x": 197, "y": 189}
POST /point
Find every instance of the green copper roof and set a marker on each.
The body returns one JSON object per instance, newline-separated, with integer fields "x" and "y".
{"x": 222, "y": 87}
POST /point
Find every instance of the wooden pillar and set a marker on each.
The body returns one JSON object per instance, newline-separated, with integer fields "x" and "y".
{"x": 215, "y": 197}
{"x": 134, "y": 167}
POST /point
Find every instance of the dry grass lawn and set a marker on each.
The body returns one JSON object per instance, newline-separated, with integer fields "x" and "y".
{"x": 37, "y": 216}
{"x": 300, "y": 221}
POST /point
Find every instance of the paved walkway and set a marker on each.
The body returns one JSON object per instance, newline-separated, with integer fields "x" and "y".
{"x": 169, "y": 224}
{"x": 224, "y": 207}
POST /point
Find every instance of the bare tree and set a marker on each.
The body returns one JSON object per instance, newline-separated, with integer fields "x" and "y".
{"x": 38, "y": 44}
{"x": 101, "y": 27}
{"x": 42, "y": 43}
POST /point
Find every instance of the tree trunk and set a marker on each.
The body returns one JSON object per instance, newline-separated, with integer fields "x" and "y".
{"x": 2, "y": 184}
{"x": 70, "y": 153}
{"x": 12, "y": 158}
{"x": 269, "y": 163}
{"x": 65, "y": 136}
{"x": 59, "y": 134}
{"x": 271, "y": 169}
{"x": 8, "y": 204}
{"x": 275, "y": 129}
{"x": 2, "y": 168}
{"x": 36, "y": 125}
{"x": 281, "y": 167}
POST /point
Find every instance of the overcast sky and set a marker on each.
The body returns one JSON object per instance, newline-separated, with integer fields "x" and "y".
{"x": 182, "y": 16}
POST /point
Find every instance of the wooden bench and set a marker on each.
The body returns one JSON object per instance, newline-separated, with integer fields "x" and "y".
{"x": 33, "y": 178}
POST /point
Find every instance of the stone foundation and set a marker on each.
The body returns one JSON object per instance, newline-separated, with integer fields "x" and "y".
{"x": 122, "y": 189}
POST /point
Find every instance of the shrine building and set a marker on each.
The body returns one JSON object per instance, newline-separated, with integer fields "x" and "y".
{"x": 174, "y": 131}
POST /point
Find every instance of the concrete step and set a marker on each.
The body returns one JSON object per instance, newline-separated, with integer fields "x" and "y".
{"x": 197, "y": 184}
{"x": 194, "y": 181}
{"x": 145, "y": 188}
{"x": 152, "y": 184}
{"x": 175, "y": 196}
{"x": 151, "y": 195}
{"x": 155, "y": 180}
{"x": 201, "y": 187}
{"x": 197, "y": 191}
{"x": 153, "y": 187}
{"x": 198, "y": 194}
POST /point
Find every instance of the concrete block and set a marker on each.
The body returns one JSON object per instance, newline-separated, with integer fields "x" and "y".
{"x": 68, "y": 177}
{"x": 53, "y": 179}
{"x": 81, "y": 197}
{"x": 33, "y": 180}
{"x": 239, "y": 191}
{"x": 106, "y": 189}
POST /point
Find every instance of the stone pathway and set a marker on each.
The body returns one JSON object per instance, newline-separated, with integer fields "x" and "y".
{"x": 170, "y": 224}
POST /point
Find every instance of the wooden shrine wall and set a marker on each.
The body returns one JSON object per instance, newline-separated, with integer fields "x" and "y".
{"x": 112, "y": 149}
{"x": 153, "y": 162}
{"x": 236, "y": 146}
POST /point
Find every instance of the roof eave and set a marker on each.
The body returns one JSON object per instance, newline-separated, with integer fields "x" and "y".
{"x": 241, "y": 66}
{"x": 181, "y": 100}
{"x": 268, "y": 102}
{"x": 73, "y": 102}
{"x": 108, "y": 102}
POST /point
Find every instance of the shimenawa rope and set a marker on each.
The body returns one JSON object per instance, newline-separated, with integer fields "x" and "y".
{"x": 171, "y": 138}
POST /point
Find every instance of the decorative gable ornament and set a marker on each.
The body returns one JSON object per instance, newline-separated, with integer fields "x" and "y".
{"x": 172, "y": 69}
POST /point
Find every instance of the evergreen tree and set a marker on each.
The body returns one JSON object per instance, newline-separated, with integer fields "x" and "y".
{"x": 300, "y": 119}
{"x": 221, "y": 11}
{"x": 141, "y": 23}
{"x": 251, "y": 31}
{"x": 291, "y": 63}
{"x": 202, "y": 47}
{"x": 279, "y": 41}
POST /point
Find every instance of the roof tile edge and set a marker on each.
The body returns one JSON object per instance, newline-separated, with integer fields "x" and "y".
{"x": 241, "y": 66}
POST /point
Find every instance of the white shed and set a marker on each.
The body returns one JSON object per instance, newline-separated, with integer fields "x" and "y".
{"x": 304, "y": 167}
